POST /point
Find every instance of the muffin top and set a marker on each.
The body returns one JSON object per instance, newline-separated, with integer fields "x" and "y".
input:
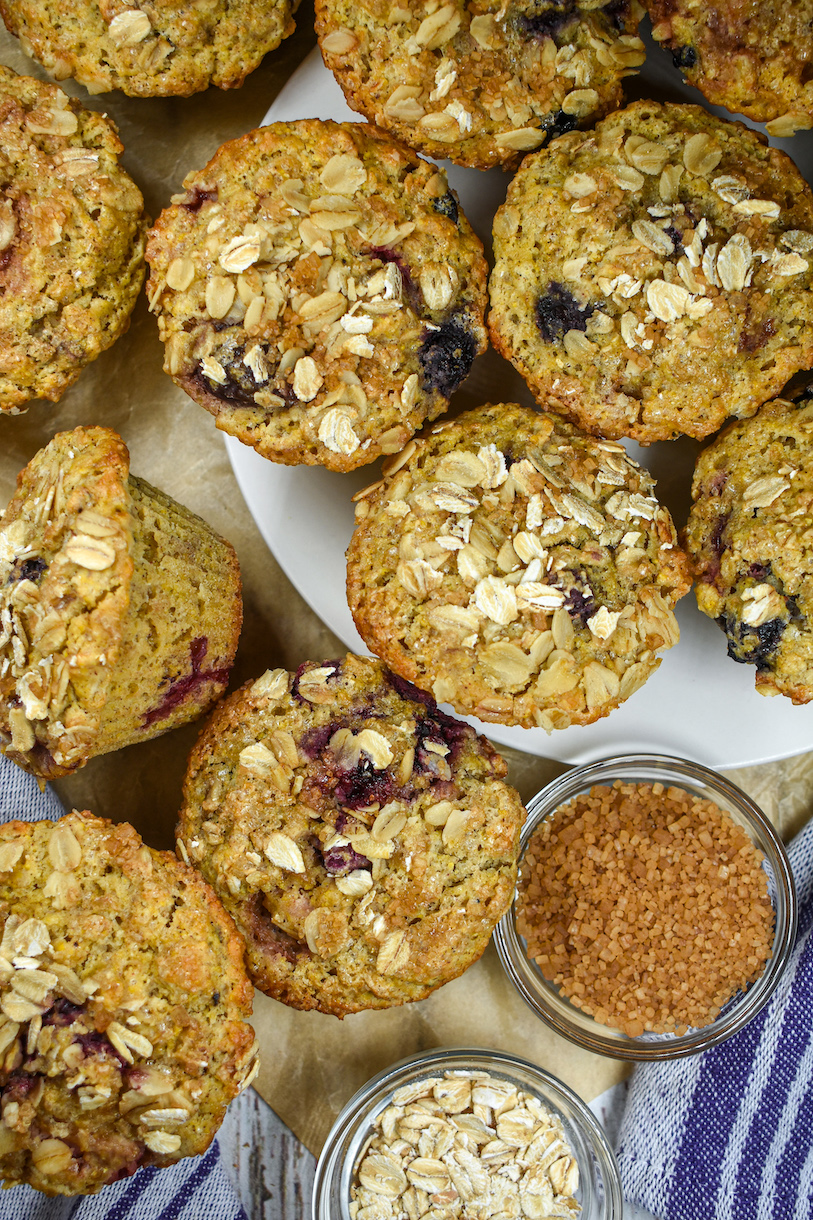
{"x": 152, "y": 51}
{"x": 319, "y": 291}
{"x": 480, "y": 83}
{"x": 750, "y": 546}
{"x": 751, "y": 58}
{"x": 654, "y": 277}
{"x": 521, "y": 570}
{"x": 365, "y": 842}
{"x": 71, "y": 239}
{"x": 124, "y": 1006}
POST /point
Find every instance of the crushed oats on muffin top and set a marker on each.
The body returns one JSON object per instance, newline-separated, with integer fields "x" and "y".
{"x": 319, "y": 291}
{"x": 365, "y": 842}
{"x": 72, "y": 231}
{"x": 480, "y": 83}
{"x": 124, "y": 1006}
{"x": 155, "y": 50}
{"x": 521, "y": 570}
{"x": 749, "y": 542}
{"x": 654, "y": 277}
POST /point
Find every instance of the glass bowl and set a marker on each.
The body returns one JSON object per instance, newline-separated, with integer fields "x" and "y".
{"x": 546, "y": 999}
{"x": 599, "y": 1192}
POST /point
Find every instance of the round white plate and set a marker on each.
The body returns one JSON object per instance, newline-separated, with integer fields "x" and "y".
{"x": 699, "y": 704}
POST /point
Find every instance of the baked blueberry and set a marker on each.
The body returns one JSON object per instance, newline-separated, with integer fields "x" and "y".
{"x": 749, "y": 543}
{"x": 344, "y": 301}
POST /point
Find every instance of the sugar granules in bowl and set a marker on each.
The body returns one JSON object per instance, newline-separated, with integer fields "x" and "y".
{"x": 646, "y": 906}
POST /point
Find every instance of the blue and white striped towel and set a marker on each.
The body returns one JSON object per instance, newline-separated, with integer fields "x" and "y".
{"x": 193, "y": 1188}
{"x": 728, "y": 1135}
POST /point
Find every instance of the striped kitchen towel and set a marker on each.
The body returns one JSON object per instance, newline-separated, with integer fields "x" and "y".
{"x": 195, "y": 1187}
{"x": 728, "y": 1134}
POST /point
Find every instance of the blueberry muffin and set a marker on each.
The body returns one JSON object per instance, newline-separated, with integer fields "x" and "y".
{"x": 319, "y": 291}
{"x": 120, "y": 610}
{"x": 124, "y": 1006}
{"x": 521, "y": 570}
{"x": 749, "y": 541}
{"x": 365, "y": 842}
{"x": 150, "y": 50}
{"x": 654, "y": 277}
{"x": 480, "y": 83}
{"x": 71, "y": 240}
{"x": 751, "y": 58}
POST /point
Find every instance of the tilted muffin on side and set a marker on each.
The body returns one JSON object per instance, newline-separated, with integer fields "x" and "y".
{"x": 748, "y": 536}
{"x": 71, "y": 240}
{"x": 154, "y": 50}
{"x": 319, "y": 291}
{"x": 655, "y": 276}
{"x": 480, "y": 82}
{"x": 365, "y": 842}
{"x": 522, "y": 571}
{"x": 124, "y": 1006}
{"x": 120, "y": 610}
{"x": 751, "y": 58}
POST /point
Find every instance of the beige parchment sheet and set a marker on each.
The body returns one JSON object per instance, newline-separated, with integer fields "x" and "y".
{"x": 311, "y": 1063}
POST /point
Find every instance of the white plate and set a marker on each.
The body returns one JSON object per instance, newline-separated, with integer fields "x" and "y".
{"x": 699, "y": 704}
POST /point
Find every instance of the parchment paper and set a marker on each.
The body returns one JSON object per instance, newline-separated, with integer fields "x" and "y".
{"x": 312, "y": 1063}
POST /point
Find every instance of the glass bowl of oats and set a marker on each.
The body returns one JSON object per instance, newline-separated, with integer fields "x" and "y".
{"x": 471, "y": 1127}
{"x": 655, "y": 909}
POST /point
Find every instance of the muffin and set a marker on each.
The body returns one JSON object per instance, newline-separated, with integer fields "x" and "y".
{"x": 654, "y": 277}
{"x": 480, "y": 83}
{"x": 751, "y": 58}
{"x": 71, "y": 240}
{"x": 318, "y": 291}
{"x": 124, "y": 1006}
{"x": 120, "y": 610}
{"x": 749, "y": 541}
{"x": 365, "y": 842}
{"x": 521, "y": 570}
{"x": 149, "y": 51}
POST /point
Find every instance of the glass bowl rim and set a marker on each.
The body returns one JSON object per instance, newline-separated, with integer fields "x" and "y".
{"x": 745, "y": 1006}
{"x": 329, "y": 1167}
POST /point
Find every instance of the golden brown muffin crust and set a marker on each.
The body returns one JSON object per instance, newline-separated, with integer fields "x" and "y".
{"x": 72, "y": 235}
{"x": 520, "y": 569}
{"x": 365, "y": 843}
{"x": 655, "y": 277}
{"x": 319, "y": 291}
{"x": 120, "y": 611}
{"x": 124, "y": 1006}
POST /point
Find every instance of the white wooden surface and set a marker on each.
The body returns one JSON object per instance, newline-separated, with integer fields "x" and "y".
{"x": 271, "y": 1170}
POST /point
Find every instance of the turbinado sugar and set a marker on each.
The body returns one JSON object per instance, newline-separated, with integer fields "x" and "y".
{"x": 646, "y": 906}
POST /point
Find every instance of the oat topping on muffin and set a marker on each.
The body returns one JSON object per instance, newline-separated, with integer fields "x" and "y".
{"x": 120, "y": 610}
{"x": 521, "y": 570}
{"x": 365, "y": 842}
{"x": 319, "y": 291}
{"x": 654, "y": 277}
{"x": 150, "y": 50}
{"x": 480, "y": 83}
{"x": 751, "y": 58}
{"x": 749, "y": 541}
{"x": 124, "y": 1006}
{"x": 71, "y": 240}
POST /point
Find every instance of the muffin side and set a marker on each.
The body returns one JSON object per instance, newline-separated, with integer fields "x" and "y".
{"x": 120, "y": 611}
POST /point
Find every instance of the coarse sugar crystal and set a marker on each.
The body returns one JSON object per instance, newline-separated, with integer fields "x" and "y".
{"x": 647, "y": 906}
